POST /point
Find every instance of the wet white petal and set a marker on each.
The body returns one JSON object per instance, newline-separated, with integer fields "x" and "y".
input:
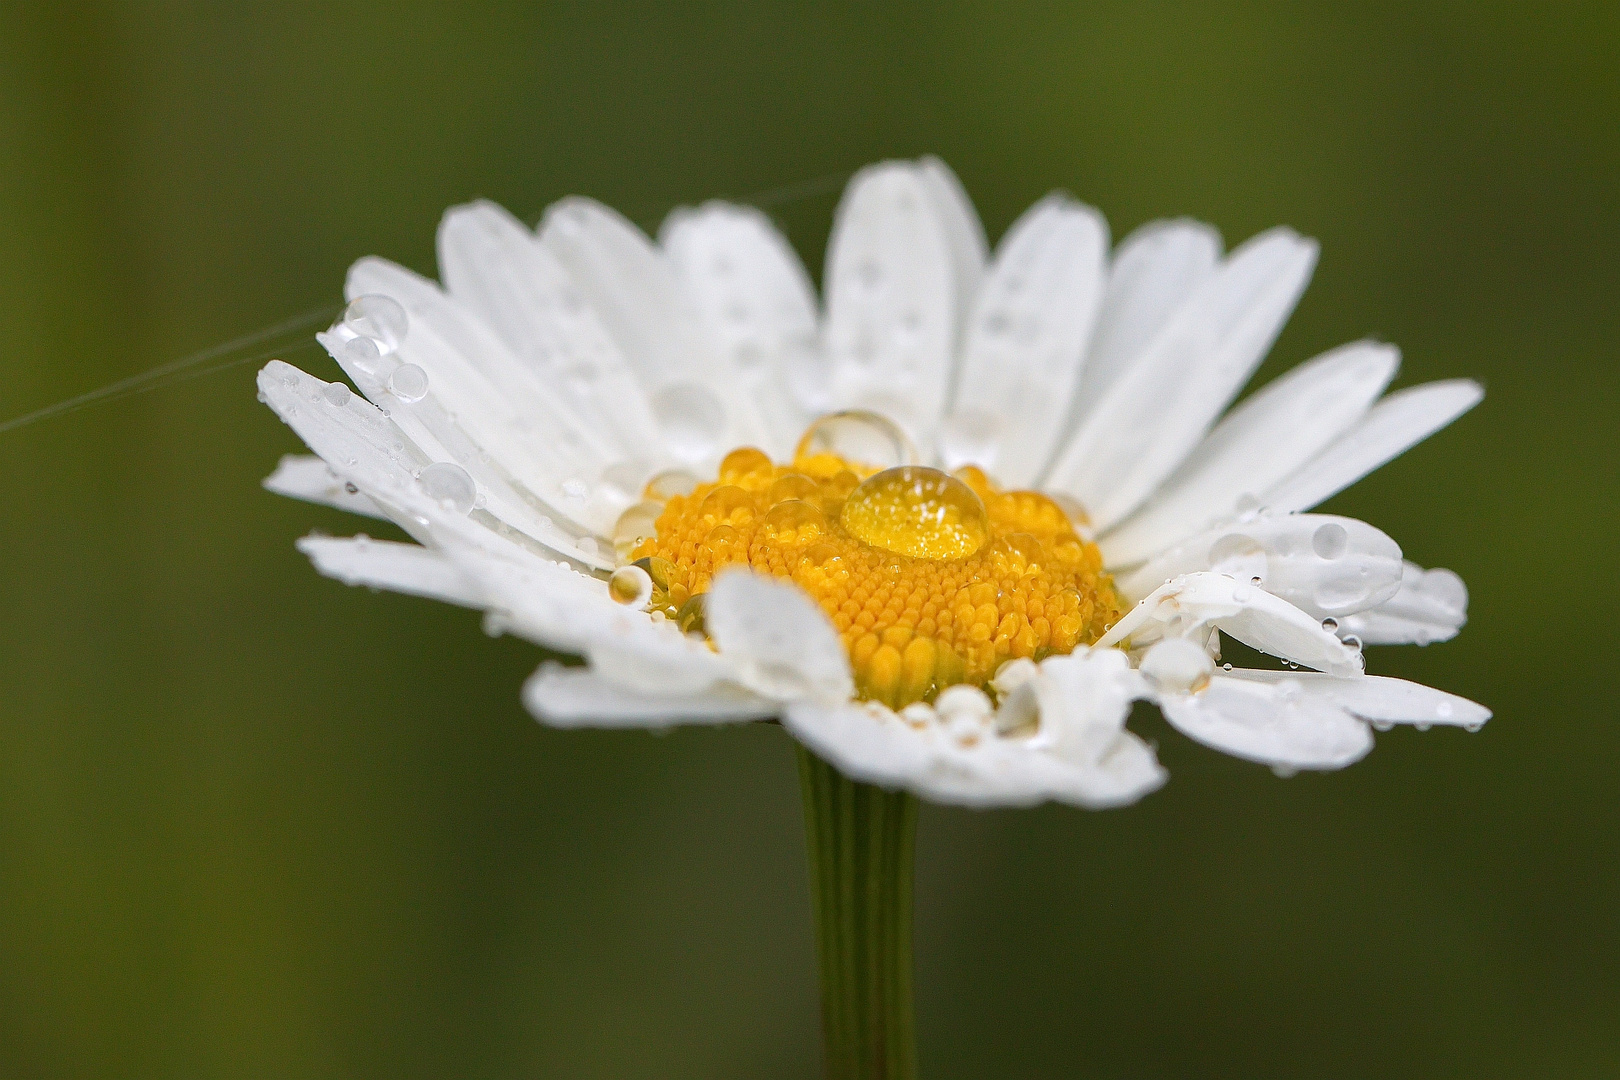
{"x": 779, "y": 642}
{"x": 1380, "y": 699}
{"x": 1191, "y": 605}
{"x": 402, "y": 568}
{"x": 1275, "y": 724}
{"x": 1154, "y": 272}
{"x": 1393, "y": 426}
{"x": 1257, "y": 444}
{"x": 1429, "y": 606}
{"x": 891, "y": 293}
{"x": 573, "y": 697}
{"x": 745, "y": 280}
{"x": 964, "y": 233}
{"x": 1025, "y": 340}
{"x": 1326, "y": 566}
{"x": 304, "y": 476}
{"x": 1158, "y": 409}
{"x": 491, "y": 264}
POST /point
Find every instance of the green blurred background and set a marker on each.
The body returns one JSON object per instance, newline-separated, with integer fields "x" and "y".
{"x": 257, "y": 824}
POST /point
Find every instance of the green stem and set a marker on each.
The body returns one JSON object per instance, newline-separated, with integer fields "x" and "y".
{"x": 862, "y": 843}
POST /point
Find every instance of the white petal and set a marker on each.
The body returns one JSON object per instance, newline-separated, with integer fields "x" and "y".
{"x": 964, "y": 233}
{"x": 1257, "y": 444}
{"x": 780, "y": 643}
{"x": 1154, "y": 272}
{"x": 366, "y": 448}
{"x": 756, "y": 299}
{"x": 1327, "y": 566}
{"x": 491, "y": 264}
{"x": 1153, "y": 415}
{"x": 1025, "y": 341}
{"x": 1394, "y": 425}
{"x": 1278, "y": 725}
{"x": 572, "y": 697}
{"x": 700, "y": 407}
{"x": 1381, "y": 700}
{"x": 1190, "y": 605}
{"x": 402, "y": 568}
{"x": 891, "y": 300}
{"x": 1430, "y": 606}
{"x": 483, "y": 409}
{"x": 303, "y": 476}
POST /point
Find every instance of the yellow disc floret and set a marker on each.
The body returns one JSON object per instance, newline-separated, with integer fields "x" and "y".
{"x": 931, "y": 579}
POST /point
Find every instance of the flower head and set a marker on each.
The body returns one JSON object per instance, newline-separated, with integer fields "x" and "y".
{"x": 947, "y": 525}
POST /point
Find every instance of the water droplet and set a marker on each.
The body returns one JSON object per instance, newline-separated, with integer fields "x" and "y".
{"x": 725, "y": 544}
{"x": 1226, "y": 667}
{"x": 631, "y": 586}
{"x": 1473, "y": 725}
{"x": 727, "y": 503}
{"x": 635, "y": 525}
{"x": 917, "y": 511}
{"x": 1177, "y": 666}
{"x": 1330, "y": 625}
{"x": 588, "y": 546}
{"x": 795, "y": 520}
{"x": 858, "y": 436}
{"x": 670, "y": 483}
{"x": 575, "y": 488}
{"x": 792, "y": 486}
{"x": 746, "y": 465}
{"x": 378, "y": 318}
{"x": 690, "y": 618}
{"x": 1330, "y": 541}
{"x": 338, "y": 394}
{"x": 1240, "y": 555}
{"x": 1382, "y": 725}
{"x": 1247, "y": 507}
{"x": 622, "y": 480}
{"x": 1422, "y": 726}
{"x": 691, "y": 420}
{"x": 351, "y": 488}
{"x": 1284, "y": 771}
{"x": 449, "y": 485}
{"x": 408, "y": 383}
{"x": 969, "y": 437}
{"x": 1351, "y": 641}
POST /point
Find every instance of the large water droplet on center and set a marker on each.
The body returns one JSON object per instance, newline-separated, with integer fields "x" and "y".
{"x": 917, "y": 511}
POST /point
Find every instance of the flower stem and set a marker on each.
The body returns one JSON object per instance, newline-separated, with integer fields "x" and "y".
{"x": 862, "y": 842}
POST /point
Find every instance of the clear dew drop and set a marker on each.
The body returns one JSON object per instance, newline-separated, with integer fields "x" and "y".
{"x": 1284, "y": 771}
{"x": 1473, "y": 725}
{"x": 1330, "y": 541}
{"x": 589, "y": 547}
{"x": 969, "y": 437}
{"x": 1240, "y": 555}
{"x": 670, "y": 483}
{"x": 1330, "y": 625}
{"x": 1351, "y": 642}
{"x": 1226, "y": 667}
{"x": 917, "y": 511}
{"x": 1422, "y": 725}
{"x": 631, "y": 586}
{"x": 622, "y": 481}
{"x": 636, "y": 524}
{"x": 338, "y": 394}
{"x": 857, "y": 435}
{"x": 1177, "y": 666}
{"x": 449, "y": 485}
{"x": 408, "y": 383}
{"x": 691, "y": 420}
{"x": 575, "y": 488}
{"x": 1382, "y": 725}
{"x": 380, "y": 319}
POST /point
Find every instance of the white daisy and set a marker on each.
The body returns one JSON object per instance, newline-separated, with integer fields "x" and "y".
{"x": 669, "y": 459}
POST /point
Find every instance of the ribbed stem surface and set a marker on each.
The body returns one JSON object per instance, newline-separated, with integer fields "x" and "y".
{"x": 862, "y": 843}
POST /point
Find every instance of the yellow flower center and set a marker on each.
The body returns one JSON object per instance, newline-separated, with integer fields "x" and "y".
{"x": 931, "y": 579}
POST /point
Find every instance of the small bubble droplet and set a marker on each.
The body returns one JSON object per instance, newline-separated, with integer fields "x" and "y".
{"x": 858, "y": 436}
{"x": 449, "y": 485}
{"x": 338, "y": 394}
{"x": 379, "y": 318}
{"x": 1330, "y": 625}
{"x": 631, "y": 586}
{"x": 1330, "y": 541}
{"x": 408, "y": 383}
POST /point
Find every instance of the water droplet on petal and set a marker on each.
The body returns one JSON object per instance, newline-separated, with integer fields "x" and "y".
{"x": 631, "y": 586}
{"x": 575, "y": 488}
{"x": 1330, "y": 541}
{"x": 1240, "y": 555}
{"x": 1382, "y": 725}
{"x": 1422, "y": 726}
{"x": 1177, "y": 666}
{"x": 1351, "y": 641}
{"x": 449, "y": 485}
{"x": 588, "y": 546}
{"x": 1330, "y": 625}
{"x": 691, "y": 420}
{"x": 1284, "y": 771}
{"x": 670, "y": 483}
{"x": 378, "y": 318}
{"x": 338, "y": 394}
{"x": 635, "y": 525}
{"x": 858, "y": 436}
{"x": 408, "y": 383}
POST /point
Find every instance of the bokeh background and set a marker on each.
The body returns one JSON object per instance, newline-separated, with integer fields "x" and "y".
{"x": 257, "y": 824}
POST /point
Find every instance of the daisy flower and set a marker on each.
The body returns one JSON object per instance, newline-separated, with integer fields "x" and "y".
{"x": 947, "y": 524}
